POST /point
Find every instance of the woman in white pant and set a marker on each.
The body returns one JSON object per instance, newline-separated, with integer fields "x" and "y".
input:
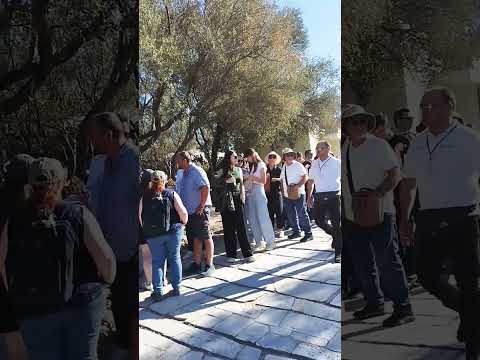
{"x": 257, "y": 209}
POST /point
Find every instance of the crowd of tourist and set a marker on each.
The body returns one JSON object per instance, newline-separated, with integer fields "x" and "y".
{"x": 410, "y": 211}
{"x": 68, "y": 245}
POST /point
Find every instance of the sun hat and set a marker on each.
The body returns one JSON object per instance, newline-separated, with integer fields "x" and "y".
{"x": 351, "y": 111}
{"x": 277, "y": 157}
{"x": 288, "y": 151}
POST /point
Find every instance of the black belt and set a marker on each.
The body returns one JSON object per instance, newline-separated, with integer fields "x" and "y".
{"x": 327, "y": 193}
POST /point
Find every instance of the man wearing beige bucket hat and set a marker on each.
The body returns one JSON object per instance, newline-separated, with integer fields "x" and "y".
{"x": 371, "y": 168}
{"x": 294, "y": 177}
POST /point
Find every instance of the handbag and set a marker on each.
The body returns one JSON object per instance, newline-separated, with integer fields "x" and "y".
{"x": 367, "y": 210}
{"x": 292, "y": 193}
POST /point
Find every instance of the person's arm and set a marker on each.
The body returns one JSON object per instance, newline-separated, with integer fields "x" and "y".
{"x": 9, "y": 329}
{"x": 242, "y": 186}
{"x": 391, "y": 181}
{"x": 309, "y": 188}
{"x": 180, "y": 208}
{"x": 408, "y": 187}
{"x": 98, "y": 248}
{"x": 204, "y": 191}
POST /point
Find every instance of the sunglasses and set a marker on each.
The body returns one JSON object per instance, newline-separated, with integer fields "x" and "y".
{"x": 358, "y": 122}
{"x": 272, "y": 157}
{"x": 290, "y": 155}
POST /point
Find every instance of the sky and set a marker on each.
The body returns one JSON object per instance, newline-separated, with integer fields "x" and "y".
{"x": 322, "y": 20}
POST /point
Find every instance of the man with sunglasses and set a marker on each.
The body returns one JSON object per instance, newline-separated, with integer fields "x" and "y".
{"x": 443, "y": 164}
{"x": 370, "y": 163}
{"x": 325, "y": 174}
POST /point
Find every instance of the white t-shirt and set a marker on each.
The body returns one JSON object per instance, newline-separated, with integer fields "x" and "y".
{"x": 260, "y": 166}
{"x": 295, "y": 172}
{"x": 369, "y": 165}
{"x": 450, "y": 178}
{"x": 326, "y": 174}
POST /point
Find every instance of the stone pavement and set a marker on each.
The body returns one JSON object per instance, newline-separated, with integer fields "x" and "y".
{"x": 432, "y": 336}
{"x": 286, "y": 305}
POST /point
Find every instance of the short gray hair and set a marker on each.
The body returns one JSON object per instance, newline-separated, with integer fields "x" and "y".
{"x": 324, "y": 143}
{"x": 446, "y": 93}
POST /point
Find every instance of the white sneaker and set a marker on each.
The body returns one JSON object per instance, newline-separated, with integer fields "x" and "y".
{"x": 281, "y": 234}
{"x": 260, "y": 247}
{"x": 231, "y": 260}
{"x": 270, "y": 246}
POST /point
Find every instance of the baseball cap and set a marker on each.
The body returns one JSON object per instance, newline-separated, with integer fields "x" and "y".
{"x": 45, "y": 171}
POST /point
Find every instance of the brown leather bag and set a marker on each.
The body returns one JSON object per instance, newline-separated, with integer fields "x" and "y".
{"x": 367, "y": 209}
{"x": 292, "y": 193}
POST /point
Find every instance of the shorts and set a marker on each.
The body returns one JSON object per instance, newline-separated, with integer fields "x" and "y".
{"x": 198, "y": 226}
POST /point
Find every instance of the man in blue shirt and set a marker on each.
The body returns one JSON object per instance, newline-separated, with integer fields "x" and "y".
{"x": 194, "y": 190}
{"x": 117, "y": 187}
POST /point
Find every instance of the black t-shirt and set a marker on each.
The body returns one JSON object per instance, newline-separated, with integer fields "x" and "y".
{"x": 276, "y": 172}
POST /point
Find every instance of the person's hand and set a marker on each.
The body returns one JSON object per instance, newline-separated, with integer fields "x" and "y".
{"x": 230, "y": 180}
{"x": 310, "y": 202}
{"x": 405, "y": 230}
{"x": 16, "y": 349}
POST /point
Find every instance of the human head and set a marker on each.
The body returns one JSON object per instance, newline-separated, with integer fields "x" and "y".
{"x": 273, "y": 158}
{"x": 229, "y": 161}
{"x": 437, "y": 106}
{"x": 299, "y": 156}
{"x": 252, "y": 156}
{"x": 308, "y": 155}
{"x": 323, "y": 149}
{"x": 380, "y": 126}
{"x": 183, "y": 160}
{"x": 46, "y": 178}
{"x": 16, "y": 170}
{"x": 356, "y": 122}
{"x": 289, "y": 155}
{"x": 106, "y": 132}
{"x": 402, "y": 120}
{"x": 158, "y": 181}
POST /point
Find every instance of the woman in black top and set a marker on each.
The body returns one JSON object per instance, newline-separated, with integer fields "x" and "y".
{"x": 274, "y": 193}
{"x": 231, "y": 191}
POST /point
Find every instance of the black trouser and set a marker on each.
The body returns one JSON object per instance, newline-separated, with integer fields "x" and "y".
{"x": 327, "y": 206}
{"x": 234, "y": 231}
{"x": 275, "y": 209}
{"x": 451, "y": 233}
{"x": 124, "y": 297}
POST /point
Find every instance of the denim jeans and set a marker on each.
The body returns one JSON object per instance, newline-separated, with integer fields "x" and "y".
{"x": 71, "y": 333}
{"x": 258, "y": 216}
{"x": 376, "y": 260}
{"x": 297, "y": 215}
{"x": 166, "y": 247}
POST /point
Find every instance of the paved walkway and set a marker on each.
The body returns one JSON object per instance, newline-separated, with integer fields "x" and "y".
{"x": 286, "y": 305}
{"x": 432, "y": 336}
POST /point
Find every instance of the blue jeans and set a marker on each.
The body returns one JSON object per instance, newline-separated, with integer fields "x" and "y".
{"x": 258, "y": 217}
{"x": 376, "y": 260}
{"x": 297, "y": 215}
{"x": 166, "y": 247}
{"x": 71, "y": 333}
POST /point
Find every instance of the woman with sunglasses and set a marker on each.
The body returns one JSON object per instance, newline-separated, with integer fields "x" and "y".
{"x": 256, "y": 200}
{"x": 231, "y": 191}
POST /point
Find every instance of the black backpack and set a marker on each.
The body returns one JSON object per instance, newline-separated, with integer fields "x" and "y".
{"x": 42, "y": 259}
{"x": 157, "y": 213}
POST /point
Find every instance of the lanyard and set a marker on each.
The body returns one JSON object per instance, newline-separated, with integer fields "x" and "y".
{"x": 430, "y": 152}
{"x": 325, "y": 163}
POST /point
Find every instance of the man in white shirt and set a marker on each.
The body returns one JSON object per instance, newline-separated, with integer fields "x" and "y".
{"x": 443, "y": 163}
{"x": 325, "y": 174}
{"x": 373, "y": 165}
{"x": 294, "y": 176}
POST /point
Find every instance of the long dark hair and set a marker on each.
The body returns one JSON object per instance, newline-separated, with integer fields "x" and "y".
{"x": 256, "y": 159}
{"x": 226, "y": 163}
